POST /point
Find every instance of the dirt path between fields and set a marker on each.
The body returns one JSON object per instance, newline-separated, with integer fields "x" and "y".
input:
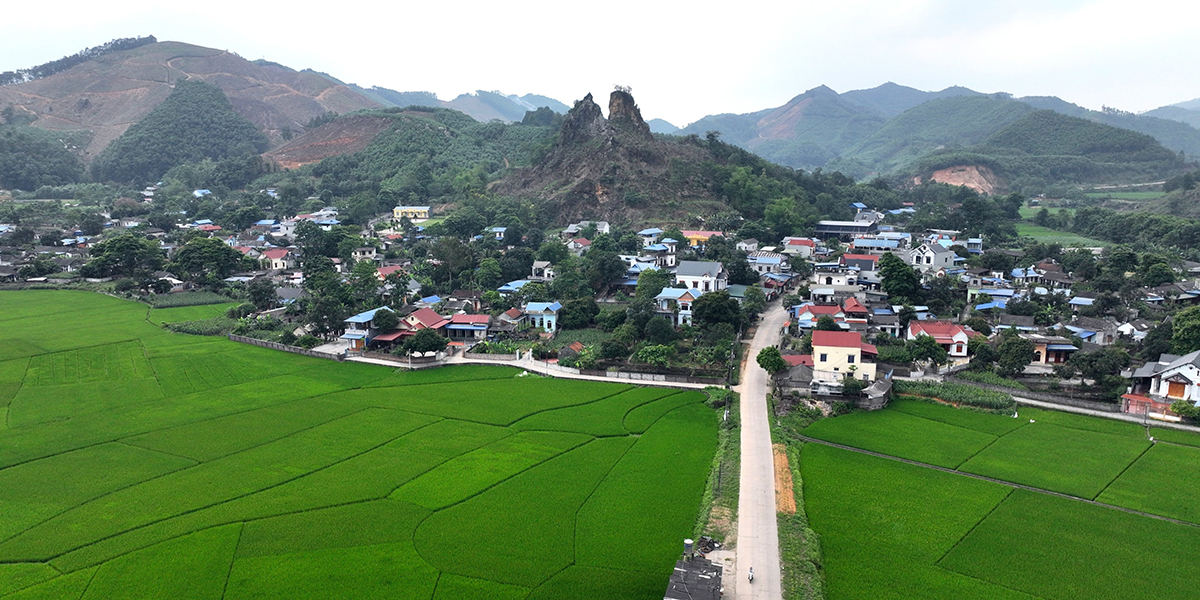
{"x": 785, "y": 498}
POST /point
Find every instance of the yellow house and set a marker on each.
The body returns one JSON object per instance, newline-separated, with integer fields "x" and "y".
{"x": 698, "y": 237}
{"x": 412, "y": 212}
{"x": 836, "y": 353}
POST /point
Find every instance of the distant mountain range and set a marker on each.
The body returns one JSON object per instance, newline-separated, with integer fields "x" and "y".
{"x": 888, "y": 128}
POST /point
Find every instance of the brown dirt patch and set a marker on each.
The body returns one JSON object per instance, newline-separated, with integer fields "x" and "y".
{"x": 785, "y": 499}
{"x": 976, "y": 177}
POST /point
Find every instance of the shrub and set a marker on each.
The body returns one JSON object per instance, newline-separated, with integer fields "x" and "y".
{"x": 287, "y": 338}
{"x": 990, "y": 378}
{"x": 188, "y": 299}
{"x": 308, "y": 342}
{"x": 125, "y": 284}
{"x": 957, "y": 393}
{"x": 213, "y": 326}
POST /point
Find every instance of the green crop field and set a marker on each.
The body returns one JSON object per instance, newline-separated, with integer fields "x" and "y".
{"x": 135, "y": 462}
{"x": 895, "y": 530}
{"x": 1046, "y": 235}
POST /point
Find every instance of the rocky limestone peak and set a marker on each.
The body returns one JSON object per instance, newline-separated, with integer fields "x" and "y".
{"x": 623, "y": 112}
{"x": 584, "y": 121}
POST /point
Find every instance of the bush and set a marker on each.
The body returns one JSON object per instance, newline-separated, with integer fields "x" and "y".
{"x": 308, "y": 342}
{"x": 188, "y": 299}
{"x": 990, "y": 378}
{"x": 287, "y": 338}
{"x": 957, "y": 393}
{"x": 213, "y": 326}
{"x": 241, "y": 311}
{"x": 125, "y": 284}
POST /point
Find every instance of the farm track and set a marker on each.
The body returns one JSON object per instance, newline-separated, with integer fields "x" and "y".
{"x": 994, "y": 480}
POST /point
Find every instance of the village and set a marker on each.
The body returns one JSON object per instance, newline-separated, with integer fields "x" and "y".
{"x": 866, "y": 300}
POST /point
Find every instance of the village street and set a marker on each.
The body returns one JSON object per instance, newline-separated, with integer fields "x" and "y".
{"x": 758, "y": 535}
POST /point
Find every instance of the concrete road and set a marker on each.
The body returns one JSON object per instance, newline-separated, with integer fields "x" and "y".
{"x": 758, "y": 531}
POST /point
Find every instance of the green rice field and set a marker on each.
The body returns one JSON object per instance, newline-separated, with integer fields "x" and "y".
{"x": 139, "y": 463}
{"x": 1046, "y": 235}
{"x": 896, "y": 530}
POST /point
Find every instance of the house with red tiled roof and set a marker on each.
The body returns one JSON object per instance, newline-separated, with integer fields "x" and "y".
{"x": 579, "y": 245}
{"x": 467, "y": 327}
{"x": 866, "y": 263}
{"x": 855, "y": 311}
{"x": 423, "y": 318}
{"x": 279, "y": 258}
{"x": 383, "y": 272}
{"x": 807, "y": 314}
{"x": 840, "y": 353}
{"x": 798, "y": 246}
{"x": 950, "y": 336}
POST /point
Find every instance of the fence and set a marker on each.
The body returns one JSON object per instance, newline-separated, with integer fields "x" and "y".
{"x": 413, "y": 362}
{"x": 277, "y": 346}
{"x": 657, "y": 377}
{"x": 486, "y": 356}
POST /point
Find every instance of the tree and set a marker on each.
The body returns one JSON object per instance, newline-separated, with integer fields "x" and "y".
{"x": 925, "y": 348}
{"x": 261, "y": 292}
{"x": 488, "y": 274}
{"x": 660, "y": 331}
{"x": 552, "y": 251}
{"x": 613, "y": 348}
{"x": 755, "y": 300}
{"x": 386, "y": 320}
{"x": 651, "y": 283}
{"x": 425, "y": 340}
{"x": 1015, "y": 353}
{"x": 826, "y": 323}
{"x": 900, "y": 281}
{"x": 771, "y": 360}
{"x": 1185, "y": 331}
{"x": 578, "y": 313}
{"x": 327, "y": 314}
{"x": 716, "y": 307}
{"x": 125, "y": 255}
{"x": 1185, "y": 408}
{"x": 979, "y": 325}
{"x": 1102, "y": 366}
{"x": 851, "y": 386}
{"x": 657, "y": 355}
{"x": 1158, "y": 274}
{"x": 364, "y": 284}
{"x": 983, "y": 355}
{"x": 206, "y": 259}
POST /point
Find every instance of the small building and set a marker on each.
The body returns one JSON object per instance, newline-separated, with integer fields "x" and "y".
{"x": 512, "y": 287}
{"x": 1050, "y": 349}
{"x": 1167, "y": 380}
{"x": 543, "y": 314}
{"x": 845, "y": 229}
{"x": 799, "y": 246}
{"x": 706, "y": 276}
{"x": 364, "y": 253}
{"x": 675, "y": 304}
{"x": 953, "y": 338}
{"x": 931, "y": 257}
{"x": 574, "y": 230}
{"x": 649, "y": 235}
{"x": 411, "y": 212}
{"x": 838, "y": 353}
{"x": 467, "y": 328}
{"x": 542, "y": 271}
{"x": 279, "y": 258}
{"x": 579, "y": 246}
{"x": 698, "y": 238}
{"x": 694, "y": 578}
{"x": 750, "y": 245}
{"x": 361, "y": 328}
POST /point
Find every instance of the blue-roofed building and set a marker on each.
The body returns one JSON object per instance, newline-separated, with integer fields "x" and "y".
{"x": 201, "y": 193}
{"x": 498, "y": 232}
{"x": 649, "y": 235}
{"x": 675, "y": 304}
{"x": 429, "y": 300}
{"x": 361, "y": 328}
{"x": 765, "y": 264}
{"x": 512, "y": 287}
{"x": 858, "y": 206}
{"x": 874, "y": 244}
{"x": 975, "y": 245}
{"x": 543, "y": 314}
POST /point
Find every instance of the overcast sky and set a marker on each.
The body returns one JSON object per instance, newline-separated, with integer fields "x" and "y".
{"x": 683, "y": 60}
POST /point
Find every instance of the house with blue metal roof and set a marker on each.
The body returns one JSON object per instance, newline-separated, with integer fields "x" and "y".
{"x": 512, "y": 287}
{"x": 675, "y": 304}
{"x": 650, "y": 235}
{"x": 542, "y": 314}
{"x": 360, "y": 328}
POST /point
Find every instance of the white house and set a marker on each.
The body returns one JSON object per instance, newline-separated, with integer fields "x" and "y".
{"x": 543, "y": 314}
{"x": 951, "y": 337}
{"x": 706, "y": 276}
{"x": 931, "y": 257}
{"x": 675, "y": 304}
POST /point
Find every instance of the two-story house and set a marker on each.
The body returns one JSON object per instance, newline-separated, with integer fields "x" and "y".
{"x": 706, "y": 276}
{"x": 838, "y": 353}
{"x": 278, "y": 258}
{"x": 411, "y": 212}
{"x": 951, "y": 337}
{"x": 931, "y": 256}
{"x": 361, "y": 328}
{"x": 543, "y": 314}
{"x": 675, "y": 304}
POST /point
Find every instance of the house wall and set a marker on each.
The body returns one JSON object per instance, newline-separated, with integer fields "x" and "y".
{"x": 831, "y": 363}
{"x": 1160, "y": 386}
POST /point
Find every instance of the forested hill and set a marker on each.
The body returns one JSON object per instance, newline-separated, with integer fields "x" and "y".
{"x": 101, "y": 96}
{"x": 1043, "y": 147}
{"x": 194, "y": 123}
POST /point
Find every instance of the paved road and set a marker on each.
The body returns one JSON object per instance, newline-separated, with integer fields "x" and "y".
{"x": 1132, "y": 418}
{"x": 758, "y": 530}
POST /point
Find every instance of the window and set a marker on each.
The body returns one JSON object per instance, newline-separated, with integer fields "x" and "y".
{"x": 850, "y": 359}
{"x": 865, "y": 377}
{"x": 823, "y": 357}
{"x": 706, "y": 286}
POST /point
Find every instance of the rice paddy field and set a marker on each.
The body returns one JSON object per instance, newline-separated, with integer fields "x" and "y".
{"x": 891, "y": 529}
{"x": 139, "y": 463}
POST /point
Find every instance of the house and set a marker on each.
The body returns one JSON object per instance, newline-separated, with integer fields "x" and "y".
{"x": 838, "y": 353}
{"x": 542, "y": 271}
{"x": 364, "y": 253}
{"x": 467, "y": 328}
{"x": 845, "y": 229}
{"x": 1167, "y": 380}
{"x": 411, "y": 212}
{"x": 765, "y": 264}
{"x": 663, "y": 253}
{"x": 543, "y": 314}
{"x": 798, "y": 246}
{"x": 807, "y": 314}
{"x": 706, "y": 276}
{"x": 574, "y": 229}
{"x": 931, "y": 257}
{"x": 279, "y": 258}
{"x": 854, "y": 311}
{"x": 697, "y": 237}
{"x": 675, "y": 304}
{"x": 874, "y": 245}
{"x": 497, "y": 232}
{"x": 383, "y": 272}
{"x": 512, "y": 287}
{"x": 1050, "y": 349}
{"x": 649, "y": 235}
{"x": 1136, "y": 329}
{"x": 361, "y": 329}
{"x": 512, "y": 315}
{"x": 1097, "y": 331}
{"x": 865, "y": 263}
{"x": 749, "y": 245}
{"x": 951, "y": 337}
{"x": 578, "y": 246}
{"x": 422, "y": 318}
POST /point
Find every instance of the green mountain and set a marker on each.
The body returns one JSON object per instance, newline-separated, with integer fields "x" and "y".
{"x": 958, "y": 121}
{"x": 195, "y": 122}
{"x": 661, "y": 126}
{"x": 1175, "y": 113}
{"x": 32, "y": 157}
{"x": 1175, "y": 134}
{"x": 1044, "y": 147}
{"x": 809, "y": 131}
{"x": 481, "y": 106}
{"x": 891, "y": 99}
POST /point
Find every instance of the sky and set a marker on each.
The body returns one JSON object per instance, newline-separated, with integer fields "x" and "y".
{"x": 682, "y": 60}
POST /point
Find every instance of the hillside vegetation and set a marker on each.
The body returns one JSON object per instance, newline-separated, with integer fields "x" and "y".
{"x": 195, "y": 122}
{"x": 1044, "y": 147}
{"x": 31, "y": 158}
{"x": 1177, "y": 134}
